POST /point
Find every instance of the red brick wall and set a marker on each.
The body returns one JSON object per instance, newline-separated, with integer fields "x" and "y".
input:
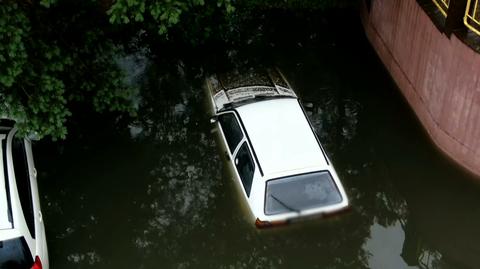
{"x": 439, "y": 76}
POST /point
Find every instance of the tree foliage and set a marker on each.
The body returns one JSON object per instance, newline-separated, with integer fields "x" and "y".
{"x": 60, "y": 55}
{"x": 164, "y": 14}
{"x": 194, "y": 17}
{"x": 52, "y": 61}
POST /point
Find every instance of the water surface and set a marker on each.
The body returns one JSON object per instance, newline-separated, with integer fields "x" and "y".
{"x": 152, "y": 192}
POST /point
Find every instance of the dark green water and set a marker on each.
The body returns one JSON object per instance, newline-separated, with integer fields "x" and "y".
{"x": 152, "y": 193}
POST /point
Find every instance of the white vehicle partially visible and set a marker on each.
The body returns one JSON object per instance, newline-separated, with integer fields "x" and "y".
{"x": 22, "y": 233}
{"x": 277, "y": 160}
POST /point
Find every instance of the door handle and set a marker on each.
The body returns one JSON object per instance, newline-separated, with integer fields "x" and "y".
{"x": 40, "y": 216}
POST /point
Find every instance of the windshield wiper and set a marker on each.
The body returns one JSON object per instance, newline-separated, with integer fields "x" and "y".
{"x": 285, "y": 205}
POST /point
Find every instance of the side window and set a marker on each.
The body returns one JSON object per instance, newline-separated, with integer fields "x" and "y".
{"x": 5, "y": 204}
{"x": 231, "y": 130}
{"x": 22, "y": 178}
{"x": 245, "y": 167}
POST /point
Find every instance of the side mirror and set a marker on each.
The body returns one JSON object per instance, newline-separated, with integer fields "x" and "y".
{"x": 213, "y": 119}
{"x": 308, "y": 106}
{"x": 33, "y": 137}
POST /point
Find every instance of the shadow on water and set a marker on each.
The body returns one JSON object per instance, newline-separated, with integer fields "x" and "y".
{"x": 151, "y": 192}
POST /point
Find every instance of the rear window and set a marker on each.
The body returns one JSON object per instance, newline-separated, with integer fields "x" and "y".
{"x": 14, "y": 254}
{"x": 301, "y": 192}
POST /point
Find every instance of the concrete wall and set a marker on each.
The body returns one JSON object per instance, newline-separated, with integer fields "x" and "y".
{"x": 439, "y": 76}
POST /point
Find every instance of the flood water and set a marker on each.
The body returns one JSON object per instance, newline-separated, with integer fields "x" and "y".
{"x": 151, "y": 192}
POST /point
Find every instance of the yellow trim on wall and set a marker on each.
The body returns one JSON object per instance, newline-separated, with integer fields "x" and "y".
{"x": 442, "y": 5}
{"x": 471, "y": 17}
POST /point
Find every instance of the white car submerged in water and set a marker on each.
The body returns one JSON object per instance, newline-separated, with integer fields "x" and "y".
{"x": 278, "y": 161}
{"x": 22, "y": 234}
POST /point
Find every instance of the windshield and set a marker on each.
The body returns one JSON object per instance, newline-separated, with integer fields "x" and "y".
{"x": 14, "y": 254}
{"x": 301, "y": 192}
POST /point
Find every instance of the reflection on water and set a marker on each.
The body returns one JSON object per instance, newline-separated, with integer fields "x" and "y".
{"x": 152, "y": 193}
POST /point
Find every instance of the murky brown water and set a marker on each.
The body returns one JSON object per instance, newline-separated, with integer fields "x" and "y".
{"x": 152, "y": 193}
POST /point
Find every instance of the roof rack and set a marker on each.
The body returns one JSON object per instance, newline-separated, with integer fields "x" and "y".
{"x": 238, "y": 87}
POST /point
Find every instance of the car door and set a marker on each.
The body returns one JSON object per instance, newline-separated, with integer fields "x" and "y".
{"x": 23, "y": 183}
{"x": 32, "y": 172}
{"x": 237, "y": 150}
{"x": 26, "y": 179}
{"x": 232, "y": 132}
{"x": 40, "y": 228}
{"x": 244, "y": 166}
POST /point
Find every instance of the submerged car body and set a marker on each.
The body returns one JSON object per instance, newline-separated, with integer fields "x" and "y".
{"x": 22, "y": 233}
{"x": 277, "y": 159}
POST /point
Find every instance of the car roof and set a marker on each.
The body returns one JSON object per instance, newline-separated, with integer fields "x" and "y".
{"x": 281, "y": 136}
{"x": 5, "y": 221}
